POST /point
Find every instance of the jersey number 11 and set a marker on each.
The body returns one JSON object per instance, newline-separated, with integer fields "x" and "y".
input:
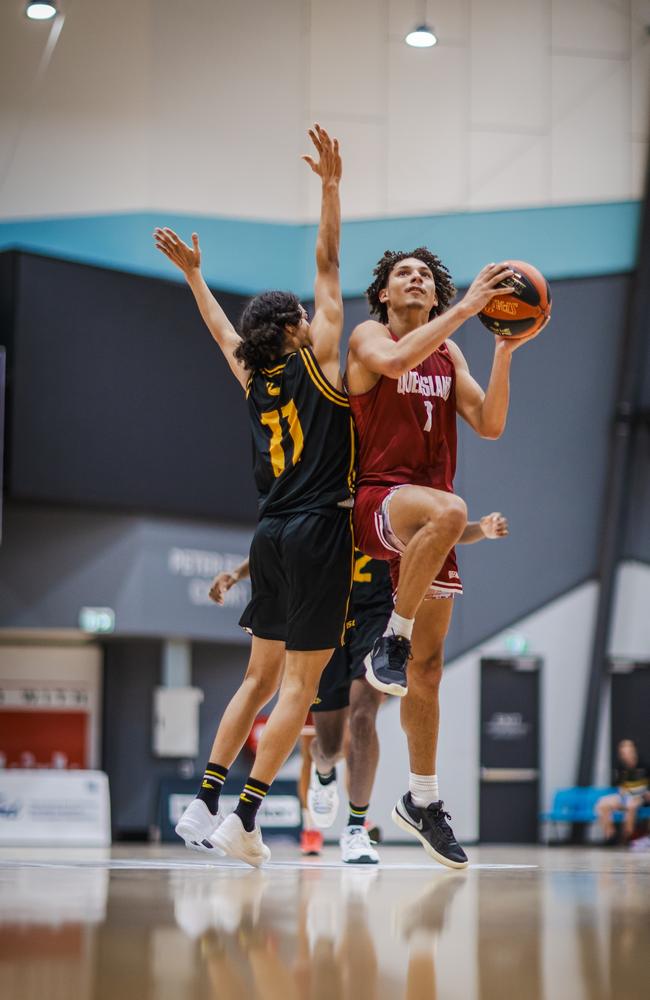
{"x": 273, "y": 419}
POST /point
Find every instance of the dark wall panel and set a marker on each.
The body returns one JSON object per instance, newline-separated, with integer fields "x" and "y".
{"x": 547, "y": 472}
{"x": 132, "y": 669}
{"x": 121, "y": 398}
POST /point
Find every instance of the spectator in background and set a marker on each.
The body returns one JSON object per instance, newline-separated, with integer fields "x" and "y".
{"x": 631, "y": 780}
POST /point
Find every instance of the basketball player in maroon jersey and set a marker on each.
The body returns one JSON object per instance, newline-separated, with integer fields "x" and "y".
{"x": 406, "y": 382}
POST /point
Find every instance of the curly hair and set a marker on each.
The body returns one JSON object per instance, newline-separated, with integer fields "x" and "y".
{"x": 445, "y": 289}
{"x": 262, "y": 328}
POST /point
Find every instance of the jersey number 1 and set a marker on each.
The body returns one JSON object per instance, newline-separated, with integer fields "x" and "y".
{"x": 429, "y": 408}
{"x": 273, "y": 419}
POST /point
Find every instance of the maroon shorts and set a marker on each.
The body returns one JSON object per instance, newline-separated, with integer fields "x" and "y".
{"x": 373, "y": 535}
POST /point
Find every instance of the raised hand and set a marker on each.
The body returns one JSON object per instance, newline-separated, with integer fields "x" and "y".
{"x": 508, "y": 345}
{"x": 328, "y": 166}
{"x": 185, "y": 258}
{"x": 485, "y": 286}
{"x": 494, "y": 525}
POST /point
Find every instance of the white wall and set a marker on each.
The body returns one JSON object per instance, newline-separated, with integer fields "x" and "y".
{"x": 561, "y": 635}
{"x": 200, "y": 105}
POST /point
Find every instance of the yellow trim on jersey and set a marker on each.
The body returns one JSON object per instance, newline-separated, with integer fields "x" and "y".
{"x": 248, "y": 386}
{"x": 347, "y": 606}
{"x": 353, "y": 456}
{"x": 274, "y": 371}
{"x": 321, "y": 382}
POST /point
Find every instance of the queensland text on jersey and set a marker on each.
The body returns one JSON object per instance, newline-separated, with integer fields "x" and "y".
{"x": 407, "y": 426}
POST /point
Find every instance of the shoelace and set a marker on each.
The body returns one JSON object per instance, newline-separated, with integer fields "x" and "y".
{"x": 441, "y": 815}
{"x": 396, "y": 645}
{"x": 359, "y": 833}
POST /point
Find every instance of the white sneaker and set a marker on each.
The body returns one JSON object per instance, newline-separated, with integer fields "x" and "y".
{"x": 356, "y": 848}
{"x": 196, "y": 826}
{"x": 235, "y": 842}
{"x": 322, "y": 800}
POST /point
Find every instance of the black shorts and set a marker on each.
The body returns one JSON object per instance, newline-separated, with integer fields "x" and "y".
{"x": 347, "y": 662}
{"x": 301, "y": 574}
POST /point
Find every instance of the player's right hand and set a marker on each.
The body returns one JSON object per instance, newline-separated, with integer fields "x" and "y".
{"x": 486, "y": 285}
{"x": 185, "y": 258}
{"x": 328, "y": 166}
{"x": 220, "y": 586}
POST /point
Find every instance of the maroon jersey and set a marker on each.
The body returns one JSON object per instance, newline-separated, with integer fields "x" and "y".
{"x": 407, "y": 427}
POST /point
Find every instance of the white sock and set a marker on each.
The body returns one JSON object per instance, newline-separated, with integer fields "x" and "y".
{"x": 306, "y": 819}
{"x": 424, "y": 789}
{"x": 399, "y": 626}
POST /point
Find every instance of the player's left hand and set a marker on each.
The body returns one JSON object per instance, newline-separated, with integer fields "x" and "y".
{"x": 328, "y": 166}
{"x": 508, "y": 346}
{"x": 494, "y": 525}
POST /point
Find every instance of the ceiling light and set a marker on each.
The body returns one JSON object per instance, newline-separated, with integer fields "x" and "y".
{"x": 422, "y": 37}
{"x": 39, "y": 11}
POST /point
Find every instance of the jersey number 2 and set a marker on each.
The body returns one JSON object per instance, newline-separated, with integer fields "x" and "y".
{"x": 273, "y": 419}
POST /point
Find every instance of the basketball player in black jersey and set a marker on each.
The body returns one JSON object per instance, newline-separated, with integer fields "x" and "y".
{"x": 345, "y": 700}
{"x": 302, "y": 551}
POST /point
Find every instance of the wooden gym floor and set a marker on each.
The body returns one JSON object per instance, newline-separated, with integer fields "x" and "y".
{"x": 161, "y": 922}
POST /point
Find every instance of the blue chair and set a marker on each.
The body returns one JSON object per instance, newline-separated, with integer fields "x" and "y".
{"x": 578, "y": 805}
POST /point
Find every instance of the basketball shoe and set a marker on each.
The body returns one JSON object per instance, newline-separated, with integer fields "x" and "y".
{"x": 356, "y": 848}
{"x": 196, "y": 826}
{"x": 311, "y": 843}
{"x": 431, "y": 828}
{"x": 235, "y": 842}
{"x": 322, "y": 800}
{"x": 386, "y": 664}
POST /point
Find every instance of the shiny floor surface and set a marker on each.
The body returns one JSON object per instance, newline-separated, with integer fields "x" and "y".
{"x": 160, "y": 922}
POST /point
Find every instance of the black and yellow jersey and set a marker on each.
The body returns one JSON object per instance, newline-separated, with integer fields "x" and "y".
{"x": 371, "y": 584}
{"x": 633, "y": 780}
{"x": 303, "y": 436}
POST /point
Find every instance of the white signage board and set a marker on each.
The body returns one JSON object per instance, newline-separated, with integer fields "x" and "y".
{"x": 54, "y": 808}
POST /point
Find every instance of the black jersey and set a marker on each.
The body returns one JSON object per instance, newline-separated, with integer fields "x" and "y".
{"x": 303, "y": 435}
{"x": 634, "y": 780}
{"x": 371, "y": 585}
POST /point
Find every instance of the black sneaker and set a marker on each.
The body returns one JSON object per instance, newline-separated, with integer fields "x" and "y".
{"x": 386, "y": 664}
{"x": 431, "y": 828}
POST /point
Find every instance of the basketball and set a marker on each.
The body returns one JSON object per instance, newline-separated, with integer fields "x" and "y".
{"x": 524, "y": 308}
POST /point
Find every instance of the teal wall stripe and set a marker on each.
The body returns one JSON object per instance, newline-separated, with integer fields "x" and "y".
{"x": 241, "y": 256}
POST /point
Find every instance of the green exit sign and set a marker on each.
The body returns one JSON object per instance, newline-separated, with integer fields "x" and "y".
{"x": 97, "y": 620}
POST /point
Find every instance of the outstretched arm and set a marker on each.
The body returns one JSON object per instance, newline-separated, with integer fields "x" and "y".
{"x": 490, "y": 526}
{"x": 374, "y": 348}
{"x": 188, "y": 260}
{"x": 327, "y": 324}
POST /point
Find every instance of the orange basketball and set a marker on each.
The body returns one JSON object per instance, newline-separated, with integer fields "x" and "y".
{"x": 524, "y": 307}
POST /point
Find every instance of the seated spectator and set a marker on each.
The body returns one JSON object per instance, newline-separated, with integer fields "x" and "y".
{"x": 631, "y": 780}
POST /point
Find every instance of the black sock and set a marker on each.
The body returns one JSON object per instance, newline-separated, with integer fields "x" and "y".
{"x": 326, "y": 779}
{"x": 250, "y": 800}
{"x": 357, "y": 816}
{"x": 213, "y": 779}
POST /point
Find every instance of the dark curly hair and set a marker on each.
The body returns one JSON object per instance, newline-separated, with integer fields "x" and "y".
{"x": 262, "y": 328}
{"x": 445, "y": 288}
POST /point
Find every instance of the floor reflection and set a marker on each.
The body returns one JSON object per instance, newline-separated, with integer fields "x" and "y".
{"x": 573, "y": 924}
{"x": 309, "y": 934}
